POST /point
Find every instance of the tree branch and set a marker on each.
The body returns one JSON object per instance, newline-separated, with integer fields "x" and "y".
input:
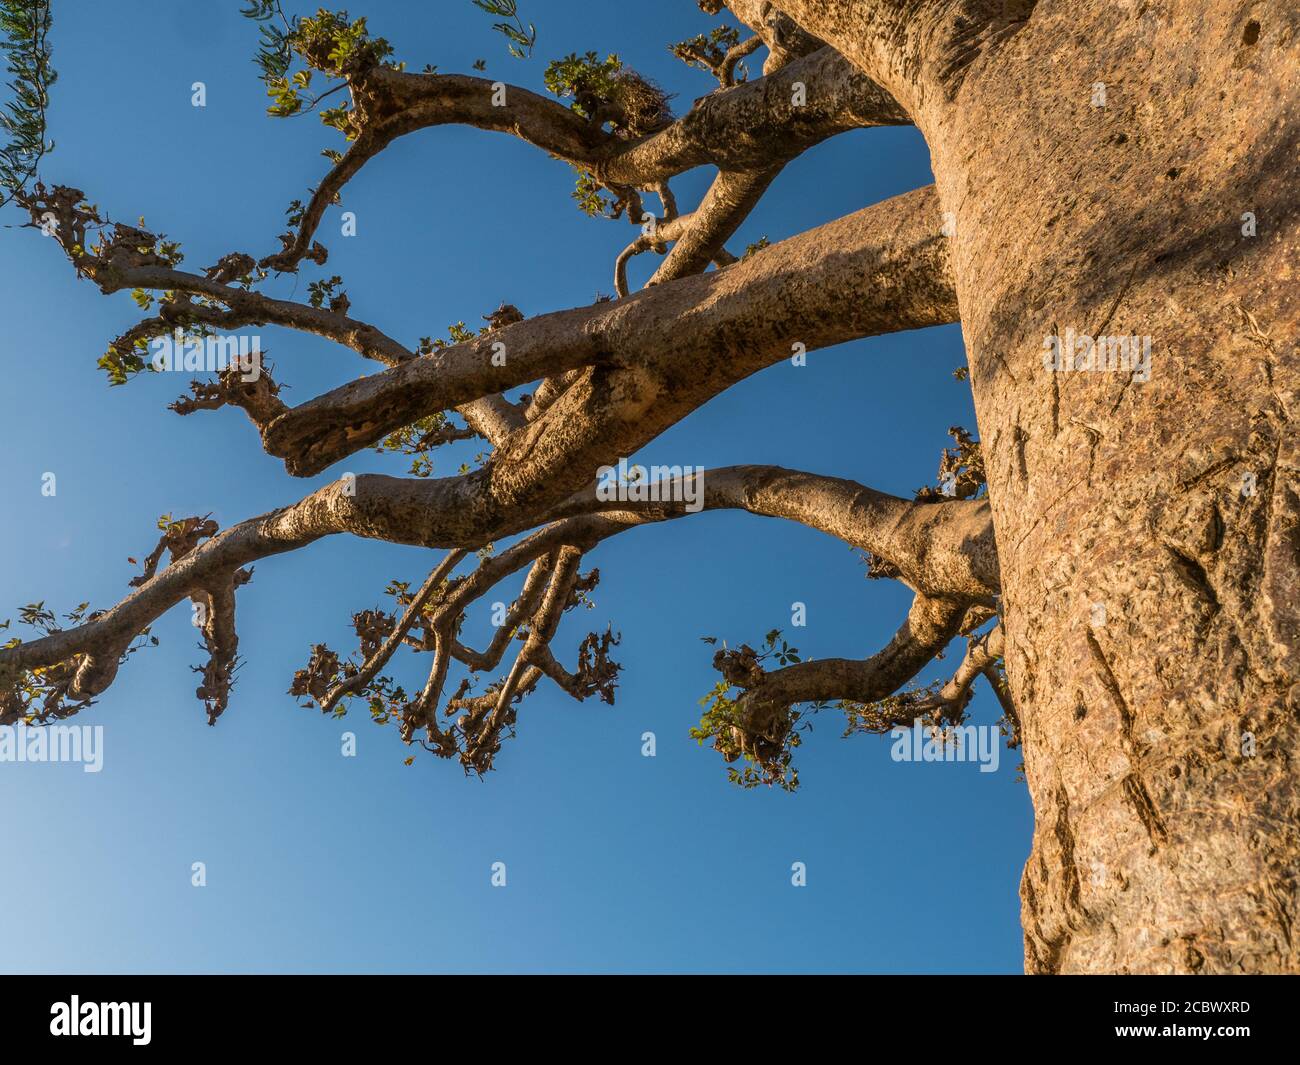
{"x": 748, "y": 127}
{"x": 943, "y": 547}
{"x": 917, "y": 50}
{"x": 660, "y": 353}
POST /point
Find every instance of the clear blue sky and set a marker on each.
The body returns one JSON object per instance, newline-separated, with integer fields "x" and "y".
{"x": 316, "y": 862}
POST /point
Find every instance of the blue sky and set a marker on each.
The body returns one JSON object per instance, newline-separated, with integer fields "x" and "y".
{"x": 321, "y": 863}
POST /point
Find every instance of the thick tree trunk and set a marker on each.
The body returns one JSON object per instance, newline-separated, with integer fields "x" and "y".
{"x": 1147, "y": 530}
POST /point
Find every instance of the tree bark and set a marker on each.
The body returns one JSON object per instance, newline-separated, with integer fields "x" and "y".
{"x": 1147, "y": 530}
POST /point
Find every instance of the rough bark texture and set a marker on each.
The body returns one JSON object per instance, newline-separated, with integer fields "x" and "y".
{"x": 1159, "y": 846}
{"x": 1147, "y": 531}
{"x": 1152, "y": 600}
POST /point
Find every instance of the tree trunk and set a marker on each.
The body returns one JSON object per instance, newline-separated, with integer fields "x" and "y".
{"x": 1098, "y": 164}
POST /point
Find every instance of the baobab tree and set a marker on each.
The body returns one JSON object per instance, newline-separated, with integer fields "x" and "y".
{"x": 1113, "y": 223}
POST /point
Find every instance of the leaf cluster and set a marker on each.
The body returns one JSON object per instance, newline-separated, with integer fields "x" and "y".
{"x": 521, "y": 39}
{"x": 24, "y": 28}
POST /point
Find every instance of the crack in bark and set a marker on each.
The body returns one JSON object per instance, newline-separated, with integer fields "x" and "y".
{"x": 1018, "y": 442}
{"x": 1135, "y": 789}
{"x": 1094, "y": 438}
{"x": 1195, "y": 577}
{"x": 1190, "y": 482}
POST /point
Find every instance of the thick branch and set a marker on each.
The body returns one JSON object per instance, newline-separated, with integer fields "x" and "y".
{"x": 751, "y": 126}
{"x": 785, "y": 40}
{"x": 943, "y": 547}
{"x": 660, "y": 353}
{"x": 929, "y": 627}
{"x": 941, "y": 550}
{"x": 917, "y": 50}
{"x": 724, "y": 208}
